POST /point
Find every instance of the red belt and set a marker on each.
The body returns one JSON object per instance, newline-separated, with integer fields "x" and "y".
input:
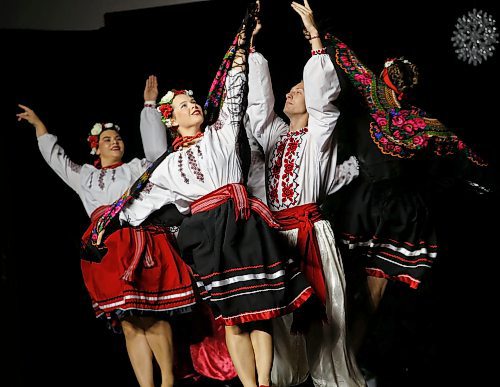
{"x": 303, "y": 218}
{"x": 242, "y": 203}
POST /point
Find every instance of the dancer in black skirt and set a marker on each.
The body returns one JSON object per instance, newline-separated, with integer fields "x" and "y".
{"x": 230, "y": 240}
{"x": 384, "y": 216}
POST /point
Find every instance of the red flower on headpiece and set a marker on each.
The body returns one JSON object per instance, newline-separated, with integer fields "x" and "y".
{"x": 166, "y": 107}
{"x": 93, "y": 141}
{"x": 166, "y": 110}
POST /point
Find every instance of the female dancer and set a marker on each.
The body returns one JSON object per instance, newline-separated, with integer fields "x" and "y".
{"x": 141, "y": 282}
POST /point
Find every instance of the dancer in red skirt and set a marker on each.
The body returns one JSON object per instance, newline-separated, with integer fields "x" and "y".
{"x": 141, "y": 282}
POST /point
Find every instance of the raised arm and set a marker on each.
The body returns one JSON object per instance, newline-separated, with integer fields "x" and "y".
{"x": 153, "y": 131}
{"x": 310, "y": 30}
{"x": 227, "y": 125}
{"x": 256, "y": 183}
{"x": 321, "y": 84}
{"x": 346, "y": 61}
{"x": 263, "y": 123}
{"x": 321, "y": 88}
{"x": 51, "y": 151}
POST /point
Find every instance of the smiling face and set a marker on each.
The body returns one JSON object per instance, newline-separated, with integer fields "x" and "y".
{"x": 111, "y": 147}
{"x": 295, "y": 100}
{"x": 187, "y": 114}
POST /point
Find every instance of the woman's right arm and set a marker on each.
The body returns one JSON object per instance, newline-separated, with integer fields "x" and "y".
{"x": 51, "y": 151}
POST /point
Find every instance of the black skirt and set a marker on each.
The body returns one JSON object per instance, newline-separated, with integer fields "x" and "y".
{"x": 244, "y": 270}
{"x": 389, "y": 224}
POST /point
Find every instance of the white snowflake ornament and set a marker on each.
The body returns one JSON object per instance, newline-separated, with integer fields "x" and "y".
{"x": 475, "y": 37}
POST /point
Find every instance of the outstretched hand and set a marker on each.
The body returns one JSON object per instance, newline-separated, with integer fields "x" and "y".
{"x": 151, "y": 89}
{"x": 306, "y": 14}
{"x": 29, "y": 115}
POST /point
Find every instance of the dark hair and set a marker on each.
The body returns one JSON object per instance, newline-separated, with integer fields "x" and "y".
{"x": 115, "y": 128}
{"x": 403, "y": 74}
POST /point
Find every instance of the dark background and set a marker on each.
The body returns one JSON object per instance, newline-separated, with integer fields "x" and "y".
{"x": 73, "y": 79}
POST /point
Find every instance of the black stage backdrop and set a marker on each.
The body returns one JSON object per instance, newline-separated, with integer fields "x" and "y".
{"x": 73, "y": 79}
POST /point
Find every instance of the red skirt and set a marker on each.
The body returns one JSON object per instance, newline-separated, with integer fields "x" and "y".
{"x": 141, "y": 274}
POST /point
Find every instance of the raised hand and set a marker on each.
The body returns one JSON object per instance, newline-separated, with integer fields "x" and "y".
{"x": 306, "y": 14}
{"x": 310, "y": 30}
{"x": 151, "y": 89}
{"x": 29, "y": 115}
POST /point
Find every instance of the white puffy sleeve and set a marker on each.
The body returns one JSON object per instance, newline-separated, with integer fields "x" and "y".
{"x": 256, "y": 183}
{"x": 57, "y": 159}
{"x": 227, "y": 125}
{"x": 321, "y": 87}
{"x": 153, "y": 132}
{"x": 264, "y": 124}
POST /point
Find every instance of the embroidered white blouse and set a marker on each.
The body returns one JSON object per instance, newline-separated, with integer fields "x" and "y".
{"x": 192, "y": 172}
{"x": 153, "y": 132}
{"x": 301, "y": 165}
{"x": 94, "y": 186}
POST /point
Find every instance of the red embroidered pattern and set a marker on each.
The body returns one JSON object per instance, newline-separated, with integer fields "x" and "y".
{"x": 192, "y": 162}
{"x": 220, "y": 121}
{"x": 283, "y": 170}
{"x": 193, "y": 165}
{"x": 179, "y": 167}
{"x": 101, "y": 179}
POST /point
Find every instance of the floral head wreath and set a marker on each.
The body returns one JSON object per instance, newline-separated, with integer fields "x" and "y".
{"x": 165, "y": 105}
{"x": 95, "y": 132}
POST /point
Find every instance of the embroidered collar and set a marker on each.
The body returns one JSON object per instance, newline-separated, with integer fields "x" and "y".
{"x": 298, "y": 132}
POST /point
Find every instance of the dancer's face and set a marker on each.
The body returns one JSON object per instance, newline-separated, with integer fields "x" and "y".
{"x": 111, "y": 146}
{"x": 186, "y": 112}
{"x": 295, "y": 100}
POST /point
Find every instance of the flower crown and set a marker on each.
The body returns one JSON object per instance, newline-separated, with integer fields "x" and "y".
{"x": 389, "y": 62}
{"x": 165, "y": 105}
{"x": 93, "y": 138}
